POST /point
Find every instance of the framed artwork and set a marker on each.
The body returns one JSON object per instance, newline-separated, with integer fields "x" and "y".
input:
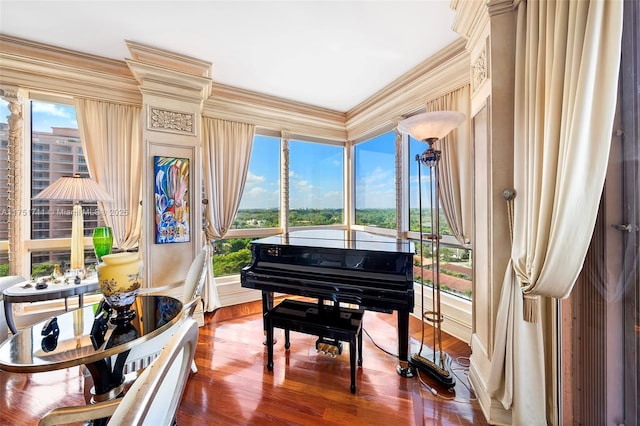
{"x": 171, "y": 181}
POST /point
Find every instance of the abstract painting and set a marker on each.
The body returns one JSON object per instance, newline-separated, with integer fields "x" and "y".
{"x": 171, "y": 199}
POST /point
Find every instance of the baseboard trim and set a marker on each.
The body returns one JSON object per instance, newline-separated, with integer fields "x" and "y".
{"x": 493, "y": 410}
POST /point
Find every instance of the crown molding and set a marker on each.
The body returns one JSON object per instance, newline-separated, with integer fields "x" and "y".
{"x": 273, "y": 113}
{"x": 499, "y": 7}
{"x": 165, "y": 59}
{"x": 442, "y": 73}
{"x": 471, "y": 19}
{"x": 168, "y": 83}
{"x": 44, "y": 68}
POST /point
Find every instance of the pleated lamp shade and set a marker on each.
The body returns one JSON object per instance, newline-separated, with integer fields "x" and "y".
{"x": 431, "y": 126}
{"x": 75, "y": 189}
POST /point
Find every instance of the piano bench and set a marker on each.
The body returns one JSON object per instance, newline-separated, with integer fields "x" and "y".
{"x": 326, "y": 322}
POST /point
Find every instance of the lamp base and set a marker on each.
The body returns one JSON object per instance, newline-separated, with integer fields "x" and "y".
{"x": 439, "y": 370}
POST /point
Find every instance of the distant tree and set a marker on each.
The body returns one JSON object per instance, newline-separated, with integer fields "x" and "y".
{"x": 42, "y": 269}
{"x": 232, "y": 263}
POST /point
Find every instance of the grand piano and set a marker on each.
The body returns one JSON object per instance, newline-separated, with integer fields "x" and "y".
{"x": 372, "y": 271}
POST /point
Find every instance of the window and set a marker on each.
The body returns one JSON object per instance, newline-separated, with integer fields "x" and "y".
{"x": 428, "y": 188}
{"x": 231, "y": 255}
{"x": 316, "y": 182}
{"x": 375, "y": 190}
{"x": 56, "y": 152}
{"x": 455, "y": 260}
{"x": 316, "y": 187}
{"x": 259, "y": 207}
{"x": 260, "y": 204}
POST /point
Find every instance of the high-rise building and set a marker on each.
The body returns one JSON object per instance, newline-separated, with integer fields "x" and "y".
{"x": 53, "y": 155}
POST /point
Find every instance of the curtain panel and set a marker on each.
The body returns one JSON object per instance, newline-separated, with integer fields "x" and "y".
{"x": 227, "y": 151}
{"x": 455, "y": 166}
{"x": 566, "y": 74}
{"x": 111, "y": 137}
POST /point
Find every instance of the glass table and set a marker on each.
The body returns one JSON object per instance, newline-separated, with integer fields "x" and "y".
{"x": 85, "y": 336}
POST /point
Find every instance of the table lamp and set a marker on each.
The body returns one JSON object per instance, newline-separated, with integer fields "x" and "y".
{"x": 75, "y": 189}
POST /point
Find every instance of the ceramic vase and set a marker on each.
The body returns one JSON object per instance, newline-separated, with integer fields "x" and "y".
{"x": 120, "y": 277}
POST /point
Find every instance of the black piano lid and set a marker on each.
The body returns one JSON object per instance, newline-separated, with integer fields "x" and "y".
{"x": 340, "y": 239}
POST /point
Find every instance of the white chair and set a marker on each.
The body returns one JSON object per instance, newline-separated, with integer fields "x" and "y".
{"x": 153, "y": 398}
{"x": 6, "y": 282}
{"x": 141, "y": 355}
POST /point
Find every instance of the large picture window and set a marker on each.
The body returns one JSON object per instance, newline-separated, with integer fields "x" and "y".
{"x": 316, "y": 182}
{"x": 375, "y": 188}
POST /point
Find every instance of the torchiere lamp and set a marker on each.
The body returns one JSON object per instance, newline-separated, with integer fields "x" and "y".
{"x": 75, "y": 189}
{"x": 430, "y": 127}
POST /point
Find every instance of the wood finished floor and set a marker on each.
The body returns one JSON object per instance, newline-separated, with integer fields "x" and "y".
{"x": 234, "y": 387}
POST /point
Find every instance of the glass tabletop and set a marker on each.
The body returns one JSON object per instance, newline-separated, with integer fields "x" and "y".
{"x": 85, "y": 335}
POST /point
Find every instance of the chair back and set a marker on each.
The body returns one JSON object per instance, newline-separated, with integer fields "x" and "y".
{"x": 154, "y": 397}
{"x": 194, "y": 276}
{"x": 193, "y": 283}
{"x": 6, "y": 282}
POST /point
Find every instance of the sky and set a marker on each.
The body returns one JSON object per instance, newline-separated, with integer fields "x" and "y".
{"x": 315, "y": 170}
{"x": 46, "y": 115}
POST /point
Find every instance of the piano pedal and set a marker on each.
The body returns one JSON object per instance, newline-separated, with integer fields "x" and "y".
{"x": 331, "y": 347}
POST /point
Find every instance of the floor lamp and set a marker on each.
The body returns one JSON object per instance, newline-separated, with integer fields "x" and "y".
{"x": 75, "y": 189}
{"x": 430, "y": 127}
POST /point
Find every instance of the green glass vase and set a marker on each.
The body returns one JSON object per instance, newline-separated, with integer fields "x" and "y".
{"x": 102, "y": 241}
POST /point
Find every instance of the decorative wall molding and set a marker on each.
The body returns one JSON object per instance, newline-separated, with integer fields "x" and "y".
{"x": 284, "y": 177}
{"x": 15, "y": 97}
{"x": 170, "y": 121}
{"x": 480, "y": 70}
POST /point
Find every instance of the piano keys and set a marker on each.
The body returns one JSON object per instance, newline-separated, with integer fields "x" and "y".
{"x": 372, "y": 271}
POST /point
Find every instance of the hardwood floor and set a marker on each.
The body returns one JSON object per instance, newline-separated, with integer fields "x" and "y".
{"x": 234, "y": 387}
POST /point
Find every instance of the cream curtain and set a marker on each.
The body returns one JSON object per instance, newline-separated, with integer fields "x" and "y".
{"x": 227, "y": 151}
{"x": 565, "y": 96}
{"x": 111, "y": 136}
{"x": 455, "y": 166}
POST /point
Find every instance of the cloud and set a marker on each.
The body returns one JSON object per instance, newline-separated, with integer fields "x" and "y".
{"x": 302, "y": 185}
{"x": 253, "y": 179}
{"x": 51, "y": 109}
{"x": 255, "y": 191}
{"x": 377, "y": 176}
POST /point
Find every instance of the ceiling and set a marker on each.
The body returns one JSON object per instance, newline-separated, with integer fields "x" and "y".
{"x": 331, "y": 54}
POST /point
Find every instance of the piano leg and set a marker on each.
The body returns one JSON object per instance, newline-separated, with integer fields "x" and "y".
{"x": 403, "y": 368}
{"x": 269, "y": 342}
{"x": 267, "y": 305}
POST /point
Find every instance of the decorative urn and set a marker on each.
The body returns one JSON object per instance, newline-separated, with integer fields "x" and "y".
{"x": 120, "y": 277}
